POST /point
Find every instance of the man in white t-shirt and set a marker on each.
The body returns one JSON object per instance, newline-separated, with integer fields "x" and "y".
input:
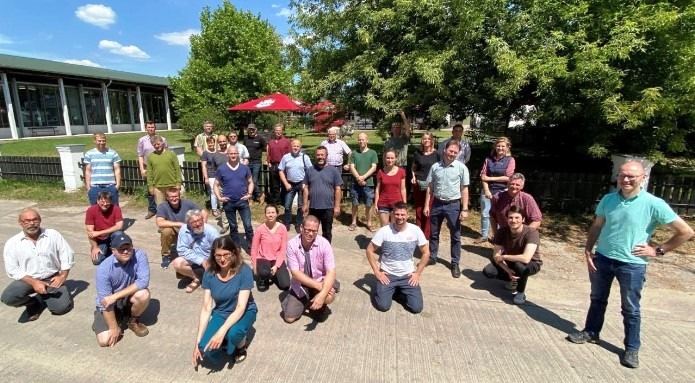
{"x": 396, "y": 275}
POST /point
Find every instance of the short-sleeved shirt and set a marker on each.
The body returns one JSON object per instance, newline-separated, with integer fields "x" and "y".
{"x": 322, "y": 183}
{"x": 397, "y": 248}
{"x": 201, "y": 141}
{"x": 213, "y": 160}
{"x": 255, "y": 145}
{"x": 145, "y": 146}
{"x": 320, "y": 254}
{"x": 166, "y": 211}
{"x": 102, "y": 220}
{"x": 243, "y": 150}
{"x": 112, "y": 276}
{"x": 501, "y": 202}
{"x": 516, "y": 243}
{"x": 226, "y": 294}
{"x": 400, "y": 145}
{"x": 464, "y": 153}
{"x": 336, "y": 150}
{"x": 630, "y": 222}
{"x": 295, "y": 166}
{"x": 102, "y": 166}
{"x": 363, "y": 161}
{"x": 448, "y": 179}
{"x": 234, "y": 182}
{"x": 390, "y": 191}
{"x": 423, "y": 163}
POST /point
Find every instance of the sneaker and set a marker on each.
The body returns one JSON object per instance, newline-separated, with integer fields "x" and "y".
{"x": 580, "y": 337}
{"x": 511, "y": 285}
{"x": 630, "y": 359}
{"x": 520, "y": 298}
{"x": 262, "y": 285}
{"x": 165, "y": 261}
{"x": 455, "y": 271}
{"x": 138, "y": 328}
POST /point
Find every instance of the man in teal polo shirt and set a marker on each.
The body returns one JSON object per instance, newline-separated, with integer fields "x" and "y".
{"x": 625, "y": 221}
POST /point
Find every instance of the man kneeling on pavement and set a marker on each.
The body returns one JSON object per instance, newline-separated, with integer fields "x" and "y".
{"x": 193, "y": 247}
{"x": 122, "y": 293}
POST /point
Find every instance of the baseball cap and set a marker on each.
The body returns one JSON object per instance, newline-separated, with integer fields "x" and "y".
{"x": 119, "y": 239}
{"x": 251, "y": 126}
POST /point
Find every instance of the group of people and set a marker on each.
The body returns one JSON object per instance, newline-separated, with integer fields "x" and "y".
{"x": 38, "y": 260}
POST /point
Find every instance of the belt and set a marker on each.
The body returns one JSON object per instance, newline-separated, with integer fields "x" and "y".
{"x": 103, "y": 185}
{"x": 449, "y": 201}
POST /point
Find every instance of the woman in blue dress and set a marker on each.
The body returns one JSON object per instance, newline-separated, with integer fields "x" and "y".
{"x": 228, "y": 310}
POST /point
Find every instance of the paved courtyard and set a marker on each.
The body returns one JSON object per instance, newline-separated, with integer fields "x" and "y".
{"x": 469, "y": 331}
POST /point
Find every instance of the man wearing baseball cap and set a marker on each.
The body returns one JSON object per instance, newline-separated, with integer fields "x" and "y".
{"x": 122, "y": 293}
{"x": 255, "y": 145}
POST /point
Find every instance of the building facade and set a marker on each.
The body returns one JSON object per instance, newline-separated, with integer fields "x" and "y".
{"x": 39, "y": 97}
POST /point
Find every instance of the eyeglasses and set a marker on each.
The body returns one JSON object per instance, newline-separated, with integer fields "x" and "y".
{"x": 31, "y": 220}
{"x": 622, "y": 176}
{"x": 124, "y": 249}
{"x": 309, "y": 231}
{"x": 222, "y": 256}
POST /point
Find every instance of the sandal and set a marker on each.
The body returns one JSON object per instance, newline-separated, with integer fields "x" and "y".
{"x": 371, "y": 228}
{"x": 240, "y": 352}
{"x": 352, "y": 227}
{"x": 192, "y": 286}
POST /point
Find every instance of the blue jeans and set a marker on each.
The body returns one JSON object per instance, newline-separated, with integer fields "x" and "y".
{"x": 95, "y": 190}
{"x": 383, "y": 294}
{"x": 151, "y": 205}
{"x": 255, "y": 172}
{"x": 233, "y": 336}
{"x": 631, "y": 278}
{"x": 452, "y": 213}
{"x": 289, "y": 198}
{"x": 104, "y": 246}
{"x": 230, "y": 209}
{"x": 485, "y": 204}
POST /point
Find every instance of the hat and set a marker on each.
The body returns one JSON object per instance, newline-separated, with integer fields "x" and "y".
{"x": 251, "y": 126}
{"x": 119, "y": 239}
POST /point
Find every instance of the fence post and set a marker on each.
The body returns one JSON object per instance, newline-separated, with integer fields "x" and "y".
{"x": 620, "y": 159}
{"x": 70, "y": 158}
{"x": 179, "y": 150}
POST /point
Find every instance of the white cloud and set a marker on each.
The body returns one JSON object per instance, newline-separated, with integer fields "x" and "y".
{"x": 96, "y": 14}
{"x": 118, "y": 49}
{"x": 287, "y": 40}
{"x": 284, "y": 12}
{"x": 5, "y": 40}
{"x": 275, "y": 6}
{"x": 82, "y": 62}
{"x": 177, "y": 38}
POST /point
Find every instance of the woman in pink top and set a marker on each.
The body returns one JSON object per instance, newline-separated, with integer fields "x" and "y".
{"x": 268, "y": 252}
{"x": 390, "y": 187}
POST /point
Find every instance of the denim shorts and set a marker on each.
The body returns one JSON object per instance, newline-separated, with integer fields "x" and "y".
{"x": 365, "y": 193}
{"x": 385, "y": 209}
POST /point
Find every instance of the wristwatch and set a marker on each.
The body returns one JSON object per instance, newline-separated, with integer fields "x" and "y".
{"x": 660, "y": 252}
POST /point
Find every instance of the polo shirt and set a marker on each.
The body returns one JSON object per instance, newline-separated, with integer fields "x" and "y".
{"x": 630, "y": 222}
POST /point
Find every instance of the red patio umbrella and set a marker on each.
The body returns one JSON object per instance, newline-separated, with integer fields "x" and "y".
{"x": 276, "y": 102}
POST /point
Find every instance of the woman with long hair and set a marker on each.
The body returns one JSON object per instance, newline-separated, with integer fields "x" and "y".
{"x": 268, "y": 252}
{"x": 390, "y": 187}
{"x": 423, "y": 160}
{"x": 494, "y": 176}
{"x": 228, "y": 310}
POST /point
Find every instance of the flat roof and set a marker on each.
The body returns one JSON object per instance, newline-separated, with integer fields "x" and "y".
{"x": 65, "y": 69}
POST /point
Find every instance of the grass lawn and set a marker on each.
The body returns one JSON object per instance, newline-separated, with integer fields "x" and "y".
{"x": 126, "y": 143}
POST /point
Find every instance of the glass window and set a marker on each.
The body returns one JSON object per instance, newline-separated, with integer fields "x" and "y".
{"x": 50, "y": 100}
{"x": 134, "y": 103}
{"x": 73, "y": 96}
{"x": 4, "y": 122}
{"x": 118, "y": 101}
{"x": 95, "y": 106}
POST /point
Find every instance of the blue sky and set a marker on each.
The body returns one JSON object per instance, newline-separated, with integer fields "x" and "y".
{"x": 145, "y": 36}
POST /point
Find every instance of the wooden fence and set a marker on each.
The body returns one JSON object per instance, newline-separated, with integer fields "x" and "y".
{"x": 554, "y": 191}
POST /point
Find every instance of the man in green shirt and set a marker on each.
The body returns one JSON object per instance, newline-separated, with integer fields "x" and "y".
{"x": 163, "y": 170}
{"x": 362, "y": 167}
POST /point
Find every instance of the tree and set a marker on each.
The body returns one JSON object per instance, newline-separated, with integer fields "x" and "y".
{"x": 235, "y": 58}
{"x": 602, "y": 75}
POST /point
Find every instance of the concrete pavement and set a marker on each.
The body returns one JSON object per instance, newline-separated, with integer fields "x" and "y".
{"x": 469, "y": 331}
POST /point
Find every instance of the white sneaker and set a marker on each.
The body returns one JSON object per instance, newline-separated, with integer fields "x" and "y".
{"x": 520, "y": 298}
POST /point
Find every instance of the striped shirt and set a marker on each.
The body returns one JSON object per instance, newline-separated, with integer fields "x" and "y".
{"x": 102, "y": 166}
{"x": 398, "y": 247}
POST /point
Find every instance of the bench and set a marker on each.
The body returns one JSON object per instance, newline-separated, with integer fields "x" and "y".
{"x": 43, "y": 130}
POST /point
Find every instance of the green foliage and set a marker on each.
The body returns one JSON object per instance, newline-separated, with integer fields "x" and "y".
{"x": 604, "y": 76}
{"x": 235, "y": 58}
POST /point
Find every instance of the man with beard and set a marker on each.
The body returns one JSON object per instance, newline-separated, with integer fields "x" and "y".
{"x": 171, "y": 216}
{"x": 102, "y": 170}
{"x": 395, "y": 273}
{"x": 101, "y": 221}
{"x": 193, "y": 246}
{"x": 122, "y": 291}
{"x": 39, "y": 261}
{"x": 322, "y": 187}
{"x": 292, "y": 171}
{"x": 144, "y": 149}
